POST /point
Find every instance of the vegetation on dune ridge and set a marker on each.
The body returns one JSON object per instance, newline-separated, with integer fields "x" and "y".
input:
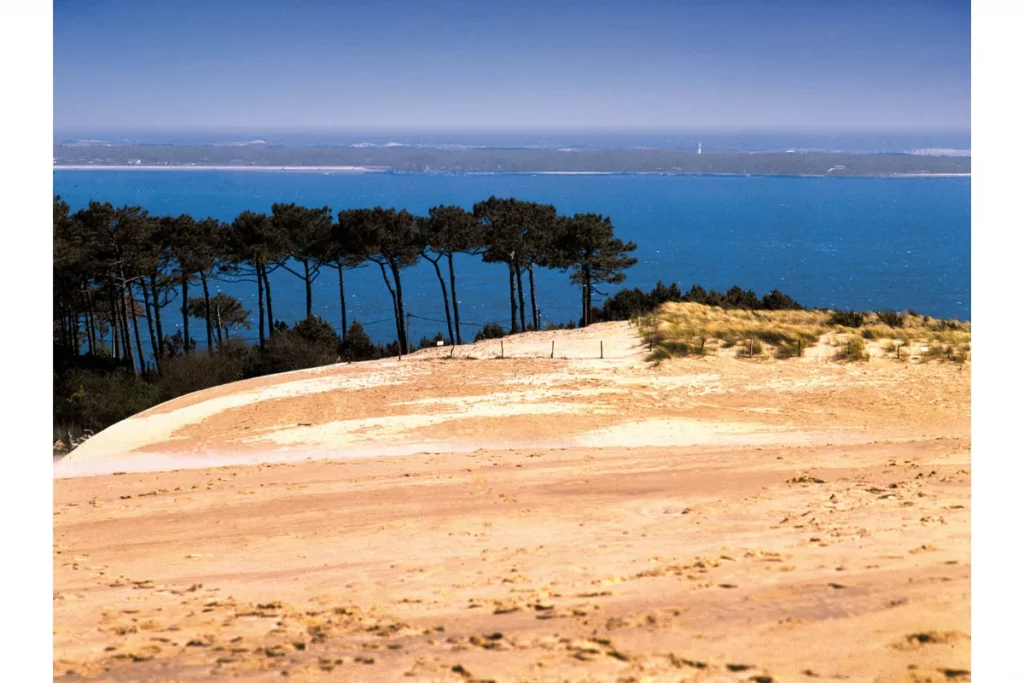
{"x": 123, "y": 278}
{"x": 690, "y": 328}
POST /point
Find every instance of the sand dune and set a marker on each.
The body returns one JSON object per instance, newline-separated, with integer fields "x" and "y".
{"x": 567, "y": 518}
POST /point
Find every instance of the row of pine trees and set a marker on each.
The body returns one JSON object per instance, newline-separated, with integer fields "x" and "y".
{"x": 116, "y": 269}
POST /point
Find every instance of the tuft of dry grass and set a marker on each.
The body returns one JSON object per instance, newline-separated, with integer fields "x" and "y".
{"x": 680, "y": 329}
{"x": 684, "y": 328}
{"x": 853, "y": 350}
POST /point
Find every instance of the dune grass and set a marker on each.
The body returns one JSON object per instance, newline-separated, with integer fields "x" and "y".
{"x": 686, "y": 329}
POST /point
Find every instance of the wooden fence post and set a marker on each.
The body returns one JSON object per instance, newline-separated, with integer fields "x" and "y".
{"x": 502, "y": 348}
{"x": 602, "y": 348}
{"x": 751, "y": 347}
{"x": 552, "y": 348}
{"x": 799, "y": 347}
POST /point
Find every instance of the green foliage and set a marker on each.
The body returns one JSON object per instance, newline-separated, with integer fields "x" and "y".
{"x": 891, "y": 318}
{"x": 196, "y": 371}
{"x": 846, "y": 318}
{"x": 174, "y": 345}
{"x": 490, "y": 331}
{"x": 431, "y": 342}
{"x": 777, "y": 301}
{"x": 223, "y": 308}
{"x": 358, "y": 346}
{"x": 628, "y": 303}
{"x": 451, "y": 230}
{"x": 316, "y": 332}
{"x": 585, "y": 245}
{"x": 311, "y": 343}
{"x": 94, "y": 399}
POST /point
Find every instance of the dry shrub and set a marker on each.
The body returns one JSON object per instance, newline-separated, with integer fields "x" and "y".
{"x": 891, "y": 318}
{"x": 687, "y": 324}
{"x": 679, "y": 329}
{"x": 852, "y": 350}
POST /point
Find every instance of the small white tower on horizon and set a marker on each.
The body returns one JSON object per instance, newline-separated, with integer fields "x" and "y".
{"x": 698, "y": 148}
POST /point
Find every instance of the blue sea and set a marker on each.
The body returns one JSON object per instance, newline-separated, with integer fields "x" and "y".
{"x": 863, "y": 243}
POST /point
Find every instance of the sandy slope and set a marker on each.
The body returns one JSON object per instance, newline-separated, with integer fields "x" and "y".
{"x": 540, "y": 519}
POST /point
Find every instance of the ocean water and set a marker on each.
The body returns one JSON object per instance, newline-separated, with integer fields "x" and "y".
{"x": 863, "y": 243}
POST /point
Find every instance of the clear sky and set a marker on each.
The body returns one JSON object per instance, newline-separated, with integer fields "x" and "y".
{"x": 864, "y": 65}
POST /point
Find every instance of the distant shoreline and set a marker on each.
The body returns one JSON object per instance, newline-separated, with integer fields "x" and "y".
{"x": 356, "y": 170}
{"x": 193, "y": 167}
{"x": 589, "y": 162}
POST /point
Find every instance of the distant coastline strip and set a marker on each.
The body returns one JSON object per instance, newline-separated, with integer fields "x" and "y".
{"x": 369, "y": 169}
{"x": 194, "y": 167}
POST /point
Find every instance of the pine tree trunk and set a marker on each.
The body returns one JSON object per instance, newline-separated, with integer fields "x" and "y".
{"x": 341, "y": 293}
{"x": 259, "y": 296}
{"x": 404, "y": 337}
{"x": 115, "y": 340}
{"x": 533, "y": 299}
{"x": 209, "y": 314}
{"x": 399, "y": 328}
{"x": 455, "y": 299}
{"x": 522, "y": 301}
{"x": 220, "y": 339}
{"x": 135, "y": 325}
{"x": 90, "y": 318}
{"x": 589, "y": 293}
{"x": 444, "y": 295}
{"x": 75, "y": 341}
{"x": 129, "y": 352}
{"x": 156, "y": 316}
{"x": 153, "y": 341}
{"x": 184, "y": 310}
{"x": 126, "y": 341}
{"x": 309, "y": 291}
{"x": 270, "y": 305}
{"x": 512, "y": 295}
{"x": 583, "y": 320}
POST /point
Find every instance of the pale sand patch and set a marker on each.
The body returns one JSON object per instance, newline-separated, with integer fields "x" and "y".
{"x": 138, "y": 431}
{"x": 502, "y": 399}
{"x": 389, "y": 430}
{"x": 683, "y": 432}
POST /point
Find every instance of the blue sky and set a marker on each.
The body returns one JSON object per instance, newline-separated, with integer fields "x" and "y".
{"x": 851, "y": 65}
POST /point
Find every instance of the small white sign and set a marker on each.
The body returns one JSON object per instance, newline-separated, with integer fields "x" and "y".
{"x": 440, "y": 343}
